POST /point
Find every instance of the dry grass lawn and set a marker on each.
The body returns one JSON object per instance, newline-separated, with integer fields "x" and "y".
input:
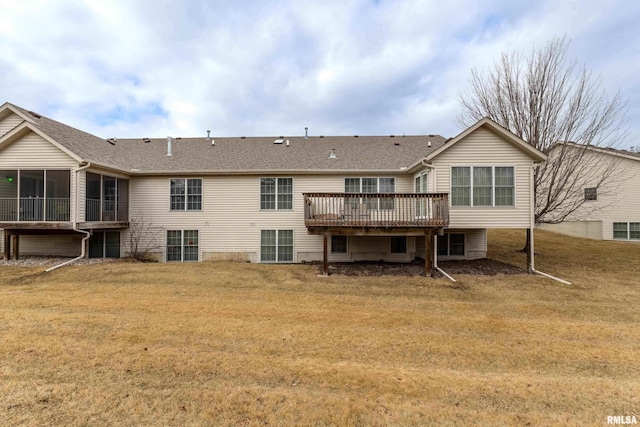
{"x": 245, "y": 344}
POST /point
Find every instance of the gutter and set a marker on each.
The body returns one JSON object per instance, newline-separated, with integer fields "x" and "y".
{"x": 75, "y": 226}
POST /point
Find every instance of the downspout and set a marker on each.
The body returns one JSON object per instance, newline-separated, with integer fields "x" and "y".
{"x": 435, "y": 241}
{"x": 435, "y": 260}
{"x": 532, "y": 267}
{"x": 75, "y": 224}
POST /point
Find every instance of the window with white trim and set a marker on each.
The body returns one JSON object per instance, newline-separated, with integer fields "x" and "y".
{"x": 626, "y": 230}
{"x": 590, "y": 194}
{"x": 276, "y": 193}
{"x": 186, "y": 194}
{"x": 482, "y": 186}
{"x": 182, "y": 245}
{"x": 451, "y": 244}
{"x": 276, "y": 245}
{"x": 371, "y": 186}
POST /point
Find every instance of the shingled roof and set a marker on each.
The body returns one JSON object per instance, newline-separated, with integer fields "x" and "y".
{"x": 243, "y": 155}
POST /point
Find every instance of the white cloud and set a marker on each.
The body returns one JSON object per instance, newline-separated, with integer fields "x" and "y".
{"x": 157, "y": 68}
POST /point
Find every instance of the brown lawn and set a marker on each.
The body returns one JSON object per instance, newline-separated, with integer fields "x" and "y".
{"x": 247, "y": 344}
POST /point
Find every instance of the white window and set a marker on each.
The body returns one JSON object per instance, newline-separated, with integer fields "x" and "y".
{"x": 482, "y": 186}
{"x": 182, "y": 245}
{"x": 626, "y": 230}
{"x": 276, "y": 245}
{"x": 451, "y": 244}
{"x": 186, "y": 194}
{"x": 590, "y": 194}
{"x": 276, "y": 193}
{"x": 371, "y": 186}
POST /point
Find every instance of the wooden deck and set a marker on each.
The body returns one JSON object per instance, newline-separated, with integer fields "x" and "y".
{"x": 378, "y": 210}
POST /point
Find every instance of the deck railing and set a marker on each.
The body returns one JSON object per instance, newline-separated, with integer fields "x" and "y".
{"x": 376, "y": 209}
{"x": 35, "y": 209}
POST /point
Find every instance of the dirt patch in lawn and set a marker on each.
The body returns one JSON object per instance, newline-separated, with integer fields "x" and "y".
{"x": 486, "y": 267}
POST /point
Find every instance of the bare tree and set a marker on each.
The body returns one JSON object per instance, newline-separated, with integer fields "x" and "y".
{"x": 144, "y": 238}
{"x": 545, "y": 99}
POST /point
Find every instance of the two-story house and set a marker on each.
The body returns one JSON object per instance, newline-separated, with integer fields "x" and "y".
{"x": 260, "y": 199}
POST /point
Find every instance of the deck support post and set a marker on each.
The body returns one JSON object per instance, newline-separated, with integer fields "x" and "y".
{"x": 325, "y": 259}
{"x": 7, "y": 245}
{"x": 428, "y": 254}
{"x": 16, "y": 246}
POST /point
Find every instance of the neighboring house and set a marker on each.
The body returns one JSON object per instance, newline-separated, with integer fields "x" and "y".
{"x": 283, "y": 199}
{"x": 610, "y": 209}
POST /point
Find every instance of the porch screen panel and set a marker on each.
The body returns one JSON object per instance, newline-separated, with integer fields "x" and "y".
{"x": 32, "y": 195}
{"x": 8, "y": 195}
{"x": 110, "y": 193}
{"x": 58, "y": 195}
{"x": 123, "y": 200}
{"x": 94, "y": 182}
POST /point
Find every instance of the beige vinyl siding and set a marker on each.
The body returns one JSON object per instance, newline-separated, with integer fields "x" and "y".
{"x": 230, "y": 221}
{"x": 486, "y": 148}
{"x": 9, "y": 122}
{"x": 62, "y": 246}
{"x": 586, "y": 229}
{"x": 619, "y": 201}
{"x": 34, "y": 152}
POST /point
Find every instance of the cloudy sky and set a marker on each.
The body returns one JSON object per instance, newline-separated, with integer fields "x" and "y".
{"x": 128, "y": 68}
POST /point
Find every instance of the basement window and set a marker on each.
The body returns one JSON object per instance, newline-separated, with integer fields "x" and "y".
{"x": 590, "y": 194}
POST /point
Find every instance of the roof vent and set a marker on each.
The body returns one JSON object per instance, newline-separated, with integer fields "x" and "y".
{"x": 146, "y": 140}
{"x": 332, "y": 154}
{"x": 392, "y": 136}
{"x": 243, "y": 137}
{"x": 287, "y": 142}
{"x": 306, "y": 133}
{"x": 169, "y": 141}
{"x": 355, "y": 136}
{"x": 36, "y": 115}
{"x": 396, "y": 144}
{"x": 213, "y": 142}
{"x": 278, "y": 141}
{"x": 112, "y": 141}
{"x": 321, "y": 136}
{"x": 429, "y": 143}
